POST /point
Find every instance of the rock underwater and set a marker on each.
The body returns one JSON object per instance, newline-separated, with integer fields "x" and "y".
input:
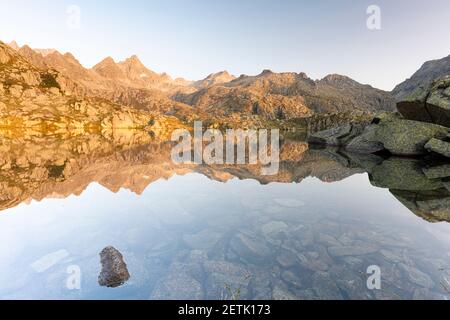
{"x": 114, "y": 269}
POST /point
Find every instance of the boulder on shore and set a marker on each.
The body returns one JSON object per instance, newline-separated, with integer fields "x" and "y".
{"x": 439, "y": 146}
{"x": 428, "y": 104}
{"x": 387, "y": 132}
{"x": 406, "y": 137}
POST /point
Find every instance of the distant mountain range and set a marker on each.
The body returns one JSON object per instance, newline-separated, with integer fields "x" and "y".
{"x": 268, "y": 95}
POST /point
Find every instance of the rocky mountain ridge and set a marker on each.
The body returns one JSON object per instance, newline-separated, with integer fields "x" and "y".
{"x": 268, "y": 95}
{"x": 429, "y": 72}
{"x": 38, "y": 98}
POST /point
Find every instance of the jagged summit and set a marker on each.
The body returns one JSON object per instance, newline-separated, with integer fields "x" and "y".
{"x": 133, "y": 62}
{"x": 266, "y": 72}
{"x": 45, "y": 52}
{"x": 28, "y": 52}
{"x": 268, "y": 94}
{"x": 214, "y": 79}
{"x": 108, "y": 68}
{"x": 13, "y": 44}
{"x": 338, "y": 79}
{"x": 105, "y": 62}
{"x": 303, "y": 75}
{"x": 219, "y": 74}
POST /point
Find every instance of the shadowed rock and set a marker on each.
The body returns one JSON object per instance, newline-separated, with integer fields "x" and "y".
{"x": 353, "y": 137}
{"x": 437, "y": 172}
{"x": 439, "y": 147}
{"x": 406, "y": 137}
{"x": 114, "y": 269}
{"x": 428, "y": 104}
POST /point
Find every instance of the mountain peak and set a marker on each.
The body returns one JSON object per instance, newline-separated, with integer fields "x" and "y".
{"x": 109, "y": 68}
{"x": 222, "y": 74}
{"x": 13, "y": 44}
{"x": 134, "y": 60}
{"x": 24, "y": 48}
{"x": 266, "y": 72}
{"x": 32, "y": 56}
{"x": 105, "y": 62}
{"x": 215, "y": 78}
{"x": 45, "y": 52}
{"x": 303, "y": 75}
{"x": 70, "y": 57}
{"x": 335, "y": 77}
{"x": 338, "y": 79}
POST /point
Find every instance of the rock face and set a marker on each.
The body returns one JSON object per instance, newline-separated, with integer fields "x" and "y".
{"x": 429, "y": 72}
{"x": 428, "y": 104}
{"x": 406, "y": 137}
{"x": 114, "y": 269}
{"x": 439, "y": 146}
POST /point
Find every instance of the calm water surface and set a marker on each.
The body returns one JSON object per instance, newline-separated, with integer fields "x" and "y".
{"x": 213, "y": 233}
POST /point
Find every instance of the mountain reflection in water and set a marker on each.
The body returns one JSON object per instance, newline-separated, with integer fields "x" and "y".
{"x": 191, "y": 237}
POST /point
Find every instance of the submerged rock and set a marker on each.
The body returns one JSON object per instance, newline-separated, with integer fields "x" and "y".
{"x": 114, "y": 269}
{"x": 358, "y": 250}
{"x": 416, "y": 276}
{"x": 249, "y": 248}
{"x": 178, "y": 284}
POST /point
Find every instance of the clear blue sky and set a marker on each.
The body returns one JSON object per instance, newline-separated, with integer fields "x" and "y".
{"x": 192, "y": 38}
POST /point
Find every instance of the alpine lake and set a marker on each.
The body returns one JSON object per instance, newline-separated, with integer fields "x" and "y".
{"x": 328, "y": 225}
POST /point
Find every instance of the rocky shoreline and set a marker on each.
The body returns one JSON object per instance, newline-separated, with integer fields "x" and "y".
{"x": 420, "y": 127}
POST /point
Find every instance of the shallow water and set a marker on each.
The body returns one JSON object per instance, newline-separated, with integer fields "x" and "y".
{"x": 311, "y": 232}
